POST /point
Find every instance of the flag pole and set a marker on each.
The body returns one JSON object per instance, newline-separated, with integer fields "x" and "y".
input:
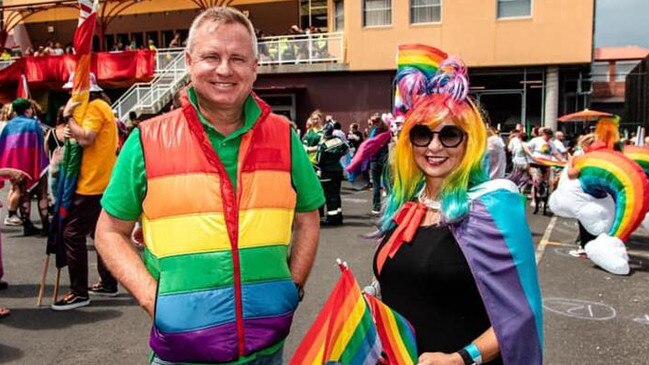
{"x": 56, "y": 285}
{"x": 46, "y": 264}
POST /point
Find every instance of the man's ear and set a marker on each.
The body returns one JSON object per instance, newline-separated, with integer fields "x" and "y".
{"x": 188, "y": 59}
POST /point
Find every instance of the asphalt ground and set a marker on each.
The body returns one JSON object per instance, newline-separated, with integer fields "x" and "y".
{"x": 590, "y": 316}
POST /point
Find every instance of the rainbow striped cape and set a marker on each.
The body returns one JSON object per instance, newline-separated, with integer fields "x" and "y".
{"x": 343, "y": 332}
{"x": 22, "y": 148}
{"x": 497, "y": 243}
{"x": 366, "y": 151}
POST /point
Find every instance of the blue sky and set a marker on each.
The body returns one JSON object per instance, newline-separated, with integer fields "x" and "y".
{"x": 621, "y": 23}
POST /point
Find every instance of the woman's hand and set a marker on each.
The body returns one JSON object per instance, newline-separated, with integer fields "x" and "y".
{"x": 440, "y": 358}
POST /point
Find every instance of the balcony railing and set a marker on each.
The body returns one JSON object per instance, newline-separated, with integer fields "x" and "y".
{"x": 6, "y": 63}
{"x": 301, "y": 49}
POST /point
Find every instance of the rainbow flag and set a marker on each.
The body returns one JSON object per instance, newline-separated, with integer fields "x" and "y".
{"x": 422, "y": 57}
{"x": 548, "y": 163}
{"x": 343, "y": 332}
{"x": 396, "y": 334}
{"x": 71, "y": 163}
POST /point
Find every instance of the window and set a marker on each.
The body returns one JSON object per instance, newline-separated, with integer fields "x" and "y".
{"x": 514, "y": 8}
{"x": 425, "y": 11}
{"x": 599, "y": 72}
{"x": 313, "y": 14}
{"x": 377, "y": 12}
{"x": 623, "y": 68}
{"x": 339, "y": 16}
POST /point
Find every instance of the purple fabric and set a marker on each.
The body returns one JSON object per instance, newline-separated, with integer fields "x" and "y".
{"x": 264, "y": 332}
{"x": 2, "y": 271}
{"x": 499, "y": 286}
{"x": 21, "y": 140}
{"x": 214, "y": 344}
{"x": 368, "y": 149}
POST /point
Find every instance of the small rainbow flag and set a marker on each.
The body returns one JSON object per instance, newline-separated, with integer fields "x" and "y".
{"x": 343, "y": 332}
{"x": 425, "y": 58}
{"x": 396, "y": 334}
{"x": 547, "y": 162}
{"x": 611, "y": 172}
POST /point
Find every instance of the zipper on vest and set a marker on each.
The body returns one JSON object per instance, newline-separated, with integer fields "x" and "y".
{"x": 238, "y": 295}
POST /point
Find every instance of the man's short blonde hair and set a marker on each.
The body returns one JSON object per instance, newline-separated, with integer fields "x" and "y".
{"x": 221, "y": 15}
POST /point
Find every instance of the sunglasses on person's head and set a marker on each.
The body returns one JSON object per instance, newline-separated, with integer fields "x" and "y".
{"x": 449, "y": 136}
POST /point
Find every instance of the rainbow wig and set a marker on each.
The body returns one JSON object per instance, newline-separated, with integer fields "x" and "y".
{"x": 607, "y": 131}
{"x": 432, "y": 88}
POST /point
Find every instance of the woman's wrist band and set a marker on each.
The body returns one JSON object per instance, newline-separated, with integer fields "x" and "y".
{"x": 471, "y": 354}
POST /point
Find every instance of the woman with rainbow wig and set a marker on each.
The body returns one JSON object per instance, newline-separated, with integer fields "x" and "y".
{"x": 456, "y": 257}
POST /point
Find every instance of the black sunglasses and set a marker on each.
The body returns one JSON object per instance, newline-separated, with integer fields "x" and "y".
{"x": 449, "y": 136}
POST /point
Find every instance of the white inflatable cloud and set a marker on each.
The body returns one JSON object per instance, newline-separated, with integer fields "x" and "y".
{"x": 609, "y": 253}
{"x": 570, "y": 201}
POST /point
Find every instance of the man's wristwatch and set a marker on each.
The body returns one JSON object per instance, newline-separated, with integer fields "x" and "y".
{"x": 300, "y": 291}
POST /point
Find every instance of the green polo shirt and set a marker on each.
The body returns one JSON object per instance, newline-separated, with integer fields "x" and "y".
{"x": 125, "y": 192}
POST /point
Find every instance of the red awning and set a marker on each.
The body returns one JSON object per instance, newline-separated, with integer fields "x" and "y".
{"x": 113, "y": 69}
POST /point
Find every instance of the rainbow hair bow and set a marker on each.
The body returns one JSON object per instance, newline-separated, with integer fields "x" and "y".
{"x": 423, "y": 70}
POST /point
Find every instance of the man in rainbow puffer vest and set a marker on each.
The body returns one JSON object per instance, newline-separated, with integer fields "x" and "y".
{"x": 220, "y": 184}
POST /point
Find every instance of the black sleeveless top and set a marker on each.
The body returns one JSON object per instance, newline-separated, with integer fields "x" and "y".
{"x": 430, "y": 283}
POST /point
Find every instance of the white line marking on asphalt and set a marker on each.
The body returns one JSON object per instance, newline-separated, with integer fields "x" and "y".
{"x": 644, "y": 320}
{"x": 545, "y": 239}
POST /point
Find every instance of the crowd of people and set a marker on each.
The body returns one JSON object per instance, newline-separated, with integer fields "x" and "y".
{"x": 455, "y": 254}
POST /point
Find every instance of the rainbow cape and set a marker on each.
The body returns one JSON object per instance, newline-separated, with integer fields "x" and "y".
{"x": 497, "y": 243}
{"x": 71, "y": 163}
{"x": 22, "y": 148}
{"x": 639, "y": 154}
{"x": 343, "y": 332}
{"x": 396, "y": 334}
{"x": 366, "y": 151}
{"x": 610, "y": 172}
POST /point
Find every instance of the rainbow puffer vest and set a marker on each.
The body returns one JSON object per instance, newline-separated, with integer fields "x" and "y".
{"x": 219, "y": 256}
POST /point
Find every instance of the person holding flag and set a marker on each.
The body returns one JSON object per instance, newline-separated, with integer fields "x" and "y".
{"x": 91, "y": 135}
{"x": 457, "y": 256}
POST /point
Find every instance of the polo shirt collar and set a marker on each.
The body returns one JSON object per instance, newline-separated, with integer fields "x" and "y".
{"x": 251, "y": 112}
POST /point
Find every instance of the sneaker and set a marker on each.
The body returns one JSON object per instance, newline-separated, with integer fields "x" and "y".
{"x": 101, "y": 290}
{"x": 375, "y": 212}
{"x": 14, "y": 220}
{"x": 30, "y": 230}
{"x": 70, "y": 301}
{"x": 580, "y": 252}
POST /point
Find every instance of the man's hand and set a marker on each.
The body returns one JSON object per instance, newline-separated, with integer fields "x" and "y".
{"x": 70, "y": 107}
{"x": 67, "y": 133}
{"x": 440, "y": 358}
{"x": 15, "y": 175}
{"x": 113, "y": 243}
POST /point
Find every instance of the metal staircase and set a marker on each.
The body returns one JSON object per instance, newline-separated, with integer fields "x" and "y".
{"x": 150, "y": 97}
